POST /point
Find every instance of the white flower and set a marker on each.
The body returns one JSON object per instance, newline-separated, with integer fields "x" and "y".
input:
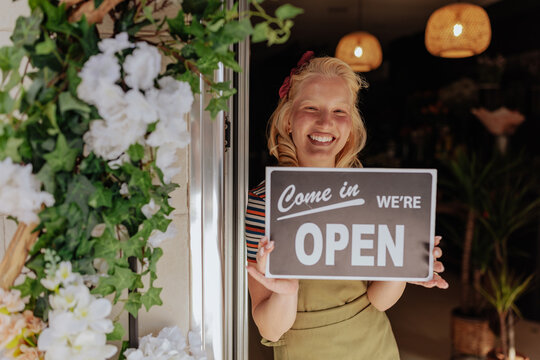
{"x": 173, "y": 99}
{"x": 166, "y": 159}
{"x": 116, "y": 44}
{"x": 157, "y": 237}
{"x": 139, "y": 109}
{"x": 124, "y": 189}
{"x": 170, "y": 344}
{"x": 150, "y": 209}
{"x": 20, "y": 194}
{"x": 142, "y": 66}
{"x": 64, "y": 273}
{"x": 98, "y": 70}
{"x": 110, "y": 139}
{"x": 77, "y": 331}
{"x": 70, "y": 298}
{"x": 11, "y": 300}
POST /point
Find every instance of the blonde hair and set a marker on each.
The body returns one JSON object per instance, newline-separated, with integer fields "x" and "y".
{"x": 280, "y": 142}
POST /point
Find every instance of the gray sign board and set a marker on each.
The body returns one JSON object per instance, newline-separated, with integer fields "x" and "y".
{"x": 370, "y": 224}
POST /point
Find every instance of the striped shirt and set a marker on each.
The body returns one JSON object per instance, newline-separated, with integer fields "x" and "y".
{"x": 255, "y": 225}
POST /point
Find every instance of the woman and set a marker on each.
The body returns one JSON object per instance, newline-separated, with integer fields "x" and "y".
{"x": 317, "y": 124}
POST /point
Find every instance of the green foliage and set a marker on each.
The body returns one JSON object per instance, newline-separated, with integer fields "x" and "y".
{"x": 44, "y": 122}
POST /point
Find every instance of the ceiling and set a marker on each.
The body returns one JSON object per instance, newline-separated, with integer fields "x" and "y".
{"x": 324, "y": 22}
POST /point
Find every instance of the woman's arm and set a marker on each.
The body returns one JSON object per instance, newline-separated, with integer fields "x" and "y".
{"x": 384, "y": 294}
{"x": 273, "y": 301}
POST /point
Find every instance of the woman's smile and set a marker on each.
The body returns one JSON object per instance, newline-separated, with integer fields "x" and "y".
{"x": 321, "y": 121}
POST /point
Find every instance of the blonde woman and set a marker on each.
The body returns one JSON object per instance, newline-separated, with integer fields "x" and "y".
{"x": 317, "y": 124}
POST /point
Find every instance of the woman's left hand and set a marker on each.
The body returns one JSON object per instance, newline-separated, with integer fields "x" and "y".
{"x": 438, "y": 267}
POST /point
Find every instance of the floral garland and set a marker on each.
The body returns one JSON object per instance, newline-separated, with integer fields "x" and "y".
{"x": 90, "y": 127}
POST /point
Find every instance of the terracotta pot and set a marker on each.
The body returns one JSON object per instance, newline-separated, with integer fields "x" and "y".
{"x": 471, "y": 335}
{"x": 496, "y": 354}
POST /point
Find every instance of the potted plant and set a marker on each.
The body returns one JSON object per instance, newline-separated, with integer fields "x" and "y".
{"x": 467, "y": 184}
{"x": 512, "y": 204}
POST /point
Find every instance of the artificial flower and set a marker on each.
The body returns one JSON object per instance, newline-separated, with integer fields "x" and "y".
{"x": 116, "y": 44}
{"x": 142, "y": 66}
{"x": 11, "y": 300}
{"x": 20, "y": 194}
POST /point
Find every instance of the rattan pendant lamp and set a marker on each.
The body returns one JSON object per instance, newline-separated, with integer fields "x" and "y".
{"x": 458, "y": 30}
{"x": 361, "y": 50}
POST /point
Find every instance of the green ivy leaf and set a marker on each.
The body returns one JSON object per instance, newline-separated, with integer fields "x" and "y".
{"x": 10, "y": 58}
{"x": 63, "y": 157}
{"x": 27, "y": 30}
{"x": 215, "y": 105}
{"x": 30, "y": 287}
{"x": 177, "y": 25}
{"x": 148, "y": 14}
{"x": 12, "y": 149}
{"x": 67, "y": 102}
{"x": 102, "y": 197}
{"x": 151, "y": 298}
{"x": 45, "y": 47}
{"x": 236, "y": 31}
{"x": 260, "y": 32}
{"x": 79, "y": 190}
{"x": 6, "y": 102}
{"x": 117, "y": 333}
{"x": 133, "y": 304}
{"x": 46, "y": 176}
{"x": 288, "y": 11}
{"x": 136, "y": 152}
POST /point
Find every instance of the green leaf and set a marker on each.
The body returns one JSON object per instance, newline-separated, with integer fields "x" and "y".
{"x": 260, "y": 32}
{"x": 45, "y": 47}
{"x": 148, "y": 14}
{"x": 238, "y": 30}
{"x": 79, "y": 190}
{"x": 97, "y": 3}
{"x": 50, "y": 112}
{"x": 151, "y": 298}
{"x": 63, "y": 157}
{"x": 6, "y": 102}
{"x": 177, "y": 25}
{"x": 288, "y": 11}
{"x": 46, "y": 176}
{"x": 101, "y": 197}
{"x": 133, "y": 304}
{"x": 215, "y": 105}
{"x": 42, "y": 308}
{"x": 136, "y": 152}
{"x": 68, "y": 102}
{"x": 27, "y": 30}
{"x": 12, "y": 149}
{"x": 30, "y": 287}
{"x": 10, "y": 58}
{"x": 117, "y": 333}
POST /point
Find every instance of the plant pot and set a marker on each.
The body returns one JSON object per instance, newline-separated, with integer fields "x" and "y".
{"x": 496, "y": 354}
{"x": 471, "y": 335}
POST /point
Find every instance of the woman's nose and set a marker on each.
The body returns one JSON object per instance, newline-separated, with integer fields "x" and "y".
{"x": 325, "y": 119}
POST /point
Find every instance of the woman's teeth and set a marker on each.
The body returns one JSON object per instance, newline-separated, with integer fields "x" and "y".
{"x": 321, "y": 138}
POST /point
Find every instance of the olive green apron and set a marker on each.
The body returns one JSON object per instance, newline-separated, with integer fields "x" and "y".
{"x": 335, "y": 320}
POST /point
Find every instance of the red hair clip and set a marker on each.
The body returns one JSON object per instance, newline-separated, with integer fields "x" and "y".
{"x": 284, "y": 89}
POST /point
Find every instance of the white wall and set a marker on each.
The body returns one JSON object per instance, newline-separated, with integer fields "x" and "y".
{"x": 173, "y": 268}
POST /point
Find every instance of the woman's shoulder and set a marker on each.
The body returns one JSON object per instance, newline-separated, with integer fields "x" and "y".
{"x": 259, "y": 191}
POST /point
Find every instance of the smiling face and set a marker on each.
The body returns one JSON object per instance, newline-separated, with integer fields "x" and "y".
{"x": 321, "y": 120}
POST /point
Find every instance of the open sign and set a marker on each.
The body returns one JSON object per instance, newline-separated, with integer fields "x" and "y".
{"x": 371, "y": 224}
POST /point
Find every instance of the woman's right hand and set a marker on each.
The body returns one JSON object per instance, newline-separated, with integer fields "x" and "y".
{"x": 257, "y": 271}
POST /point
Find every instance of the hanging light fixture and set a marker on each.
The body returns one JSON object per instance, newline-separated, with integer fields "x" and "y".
{"x": 458, "y": 30}
{"x": 361, "y": 50}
